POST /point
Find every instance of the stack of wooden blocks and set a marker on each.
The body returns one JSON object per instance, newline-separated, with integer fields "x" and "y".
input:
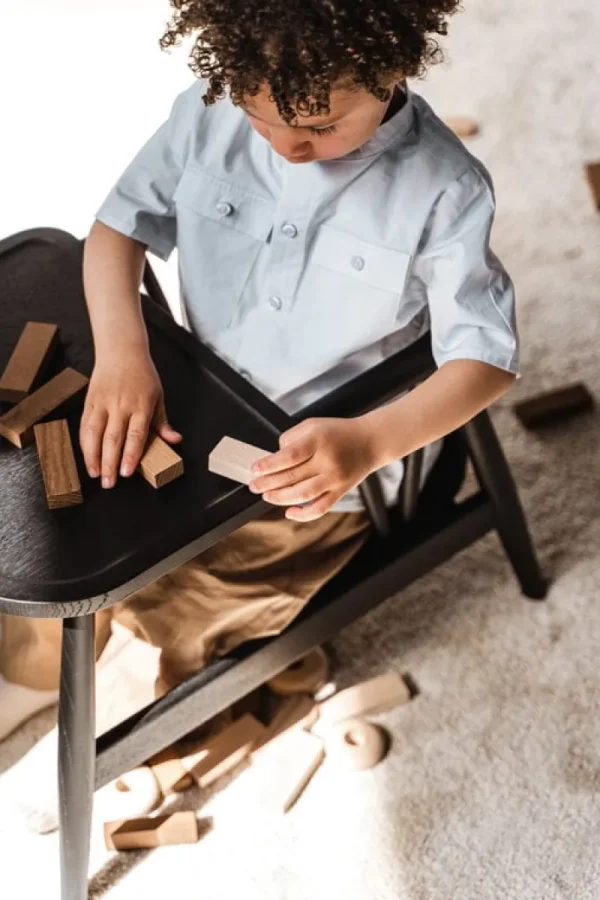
{"x": 23, "y": 423}
{"x": 285, "y": 747}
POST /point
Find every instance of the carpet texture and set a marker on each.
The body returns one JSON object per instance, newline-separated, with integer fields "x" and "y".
{"x": 492, "y": 789}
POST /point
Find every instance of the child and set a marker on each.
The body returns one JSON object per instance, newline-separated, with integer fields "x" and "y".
{"x": 324, "y": 219}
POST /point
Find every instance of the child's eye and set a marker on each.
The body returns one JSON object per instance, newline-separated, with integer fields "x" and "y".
{"x": 329, "y": 129}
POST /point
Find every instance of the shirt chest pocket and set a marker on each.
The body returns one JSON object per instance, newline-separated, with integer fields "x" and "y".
{"x": 354, "y": 288}
{"x": 221, "y": 229}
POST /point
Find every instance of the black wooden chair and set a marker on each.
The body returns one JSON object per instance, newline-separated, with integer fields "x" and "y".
{"x": 422, "y": 532}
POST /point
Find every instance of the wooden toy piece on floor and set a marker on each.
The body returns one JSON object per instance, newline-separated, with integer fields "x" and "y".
{"x": 31, "y": 353}
{"x": 234, "y": 459}
{"x": 57, "y": 462}
{"x": 158, "y": 831}
{"x": 377, "y": 695}
{"x": 286, "y": 767}
{"x": 295, "y": 711}
{"x": 356, "y": 744}
{"x": 305, "y": 676}
{"x": 170, "y": 772}
{"x": 223, "y": 752}
{"x": 554, "y": 406}
{"x": 160, "y": 464}
{"x": 463, "y": 126}
{"x": 17, "y": 424}
{"x": 593, "y": 176}
{"x": 131, "y": 795}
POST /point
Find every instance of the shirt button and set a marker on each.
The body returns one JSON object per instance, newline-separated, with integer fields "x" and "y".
{"x": 289, "y": 229}
{"x": 358, "y": 263}
{"x": 224, "y": 209}
{"x": 275, "y": 303}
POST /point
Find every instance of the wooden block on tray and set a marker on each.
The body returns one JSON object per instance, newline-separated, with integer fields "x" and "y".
{"x": 295, "y": 711}
{"x": 154, "y": 831}
{"x": 377, "y": 695}
{"x": 593, "y": 176}
{"x": 463, "y": 126}
{"x": 286, "y": 767}
{"x": 160, "y": 464}
{"x": 234, "y": 459}
{"x": 32, "y": 352}
{"x": 57, "y": 462}
{"x": 17, "y": 424}
{"x": 223, "y": 752}
{"x": 553, "y": 406}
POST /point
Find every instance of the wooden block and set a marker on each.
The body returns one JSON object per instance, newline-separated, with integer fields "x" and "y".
{"x": 224, "y": 751}
{"x": 593, "y": 176}
{"x": 17, "y": 424}
{"x": 31, "y": 353}
{"x": 307, "y": 675}
{"x": 160, "y": 464}
{"x": 296, "y": 711}
{"x": 356, "y": 744}
{"x": 554, "y": 406}
{"x": 155, "y": 831}
{"x": 463, "y": 126}
{"x": 286, "y": 768}
{"x": 377, "y": 695}
{"x": 169, "y": 771}
{"x": 234, "y": 459}
{"x": 57, "y": 461}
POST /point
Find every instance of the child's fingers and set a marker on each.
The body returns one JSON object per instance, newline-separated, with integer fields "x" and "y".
{"x": 135, "y": 441}
{"x": 161, "y": 424}
{"x": 312, "y": 511}
{"x": 293, "y": 455}
{"x": 282, "y": 479}
{"x": 90, "y": 438}
{"x": 303, "y": 492}
{"x": 112, "y": 448}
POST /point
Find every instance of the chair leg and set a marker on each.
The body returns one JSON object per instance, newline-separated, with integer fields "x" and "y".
{"x": 372, "y": 496}
{"x": 411, "y": 484}
{"x": 76, "y": 754}
{"x": 495, "y": 477}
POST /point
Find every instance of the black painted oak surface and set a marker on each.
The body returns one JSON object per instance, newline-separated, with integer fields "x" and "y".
{"x": 65, "y": 562}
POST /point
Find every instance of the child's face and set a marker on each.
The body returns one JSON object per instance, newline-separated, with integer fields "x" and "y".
{"x": 353, "y": 119}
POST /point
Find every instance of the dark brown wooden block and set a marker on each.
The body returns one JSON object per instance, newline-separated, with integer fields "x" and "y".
{"x": 57, "y": 461}
{"x": 160, "y": 464}
{"x": 28, "y": 359}
{"x": 553, "y": 406}
{"x": 593, "y": 176}
{"x": 17, "y": 424}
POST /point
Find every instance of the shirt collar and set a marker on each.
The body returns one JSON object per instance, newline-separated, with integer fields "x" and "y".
{"x": 391, "y": 132}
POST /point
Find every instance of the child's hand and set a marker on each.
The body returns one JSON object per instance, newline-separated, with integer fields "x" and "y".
{"x": 320, "y": 460}
{"x": 124, "y": 399}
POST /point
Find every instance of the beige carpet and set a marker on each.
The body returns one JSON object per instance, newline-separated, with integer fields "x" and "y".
{"x": 492, "y": 791}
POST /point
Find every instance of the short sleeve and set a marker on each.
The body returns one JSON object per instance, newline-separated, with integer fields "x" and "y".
{"x": 140, "y": 205}
{"x": 470, "y": 296}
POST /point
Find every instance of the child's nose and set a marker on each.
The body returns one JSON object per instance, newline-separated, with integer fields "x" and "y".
{"x": 287, "y": 142}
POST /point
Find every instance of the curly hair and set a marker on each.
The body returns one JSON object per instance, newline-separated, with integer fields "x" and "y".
{"x": 302, "y": 49}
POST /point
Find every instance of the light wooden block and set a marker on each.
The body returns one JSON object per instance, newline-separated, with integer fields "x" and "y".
{"x": 31, "y": 353}
{"x": 223, "y": 752}
{"x": 463, "y": 126}
{"x": 593, "y": 176}
{"x": 285, "y": 769}
{"x": 356, "y": 744}
{"x": 17, "y": 424}
{"x": 305, "y": 676}
{"x": 160, "y": 464}
{"x": 154, "y": 831}
{"x": 169, "y": 771}
{"x": 369, "y": 697}
{"x": 296, "y": 711}
{"x": 234, "y": 459}
{"x": 57, "y": 462}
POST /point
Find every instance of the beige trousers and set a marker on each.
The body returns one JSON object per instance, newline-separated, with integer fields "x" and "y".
{"x": 252, "y": 584}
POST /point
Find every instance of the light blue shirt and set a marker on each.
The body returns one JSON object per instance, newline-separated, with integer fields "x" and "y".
{"x": 303, "y": 276}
